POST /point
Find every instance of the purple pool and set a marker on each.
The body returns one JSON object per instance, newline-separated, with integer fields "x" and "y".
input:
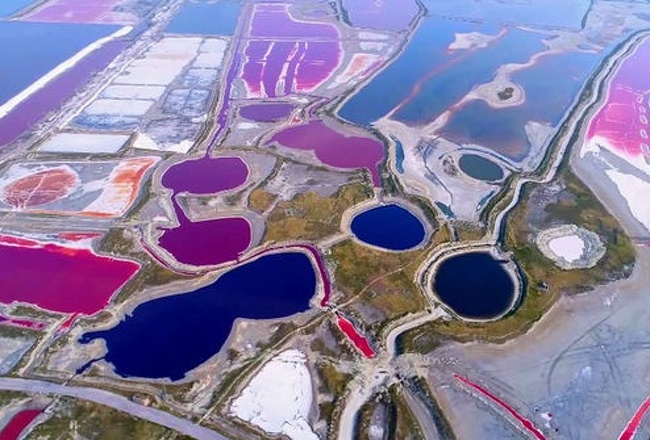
{"x": 271, "y": 21}
{"x": 334, "y": 148}
{"x": 208, "y": 175}
{"x": 208, "y": 242}
{"x": 266, "y": 112}
{"x": 391, "y": 15}
{"x": 285, "y": 56}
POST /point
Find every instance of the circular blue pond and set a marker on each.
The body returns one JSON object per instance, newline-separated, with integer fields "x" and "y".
{"x": 167, "y": 337}
{"x": 389, "y": 227}
{"x": 480, "y": 168}
{"x": 474, "y": 285}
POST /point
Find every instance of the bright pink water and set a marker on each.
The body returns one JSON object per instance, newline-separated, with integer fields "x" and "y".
{"x": 59, "y": 278}
{"x": 357, "y": 338}
{"x": 624, "y": 118}
{"x": 334, "y": 148}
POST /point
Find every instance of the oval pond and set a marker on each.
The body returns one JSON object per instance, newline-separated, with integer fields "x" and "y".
{"x": 474, "y": 285}
{"x": 389, "y": 227}
{"x": 480, "y": 168}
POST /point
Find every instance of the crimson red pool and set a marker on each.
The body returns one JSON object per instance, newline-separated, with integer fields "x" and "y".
{"x": 18, "y": 423}
{"x": 359, "y": 341}
{"x": 56, "y": 277}
{"x": 631, "y": 428}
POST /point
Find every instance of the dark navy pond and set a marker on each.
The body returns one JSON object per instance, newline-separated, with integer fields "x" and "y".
{"x": 480, "y": 168}
{"x": 474, "y": 285}
{"x": 167, "y": 337}
{"x": 389, "y": 227}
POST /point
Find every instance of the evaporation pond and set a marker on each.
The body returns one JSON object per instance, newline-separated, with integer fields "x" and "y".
{"x": 389, "y": 227}
{"x": 480, "y": 168}
{"x": 169, "y": 336}
{"x": 30, "y": 50}
{"x": 474, "y": 285}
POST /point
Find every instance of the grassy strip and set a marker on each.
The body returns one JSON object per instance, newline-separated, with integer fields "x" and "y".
{"x": 582, "y": 208}
{"x": 88, "y": 420}
{"x": 309, "y": 216}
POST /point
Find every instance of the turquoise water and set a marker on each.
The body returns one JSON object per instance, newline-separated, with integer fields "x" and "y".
{"x": 10, "y": 7}
{"x": 206, "y": 18}
{"x": 442, "y": 77}
{"x": 30, "y": 50}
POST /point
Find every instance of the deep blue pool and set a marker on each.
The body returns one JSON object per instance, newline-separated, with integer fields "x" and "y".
{"x": 389, "y": 227}
{"x": 474, "y": 285}
{"x": 167, "y": 337}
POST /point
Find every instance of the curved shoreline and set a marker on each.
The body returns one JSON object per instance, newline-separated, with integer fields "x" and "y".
{"x": 518, "y": 283}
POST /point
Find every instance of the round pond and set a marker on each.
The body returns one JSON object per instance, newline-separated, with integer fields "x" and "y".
{"x": 475, "y": 285}
{"x": 389, "y": 227}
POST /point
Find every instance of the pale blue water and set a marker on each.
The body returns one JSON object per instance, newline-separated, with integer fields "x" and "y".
{"x": 30, "y": 50}
{"x": 206, "y": 18}
{"x": 10, "y": 7}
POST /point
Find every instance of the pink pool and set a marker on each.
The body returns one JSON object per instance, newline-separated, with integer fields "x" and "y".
{"x": 359, "y": 341}
{"x": 622, "y": 124}
{"x": 334, "y": 148}
{"x": 81, "y": 11}
{"x": 59, "y": 278}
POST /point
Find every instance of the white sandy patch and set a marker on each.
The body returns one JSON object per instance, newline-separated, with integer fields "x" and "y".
{"x": 471, "y": 40}
{"x": 373, "y": 46}
{"x": 365, "y": 35}
{"x": 208, "y": 60}
{"x": 569, "y": 247}
{"x": 636, "y": 192}
{"x": 145, "y": 142}
{"x": 213, "y": 45}
{"x": 279, "y": 397}
{"x": 175, "y": 48}
{"x": 58, "y": 70}
{"x": 595, "y": 144}
{"x": 119, "y": 107}
{"x": 133, "y": 92}
{"x": 85, "y": 143}
{"x": 152, "y": 72}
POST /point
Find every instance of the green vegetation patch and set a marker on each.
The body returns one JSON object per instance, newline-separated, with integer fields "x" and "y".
{"x": 566, "y": 200}
{"x": 309, "y": 216}
{"x": 402, "y": 423}
{"x": 80, "y": 419}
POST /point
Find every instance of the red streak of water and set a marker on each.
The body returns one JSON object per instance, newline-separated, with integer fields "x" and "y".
{"x": 633, "y": 425}
{"x": 18, "y": 423}
{"x": 357, "y": 338}
{"x": 524, "y": 421}
{"x": 24, "y": 323}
